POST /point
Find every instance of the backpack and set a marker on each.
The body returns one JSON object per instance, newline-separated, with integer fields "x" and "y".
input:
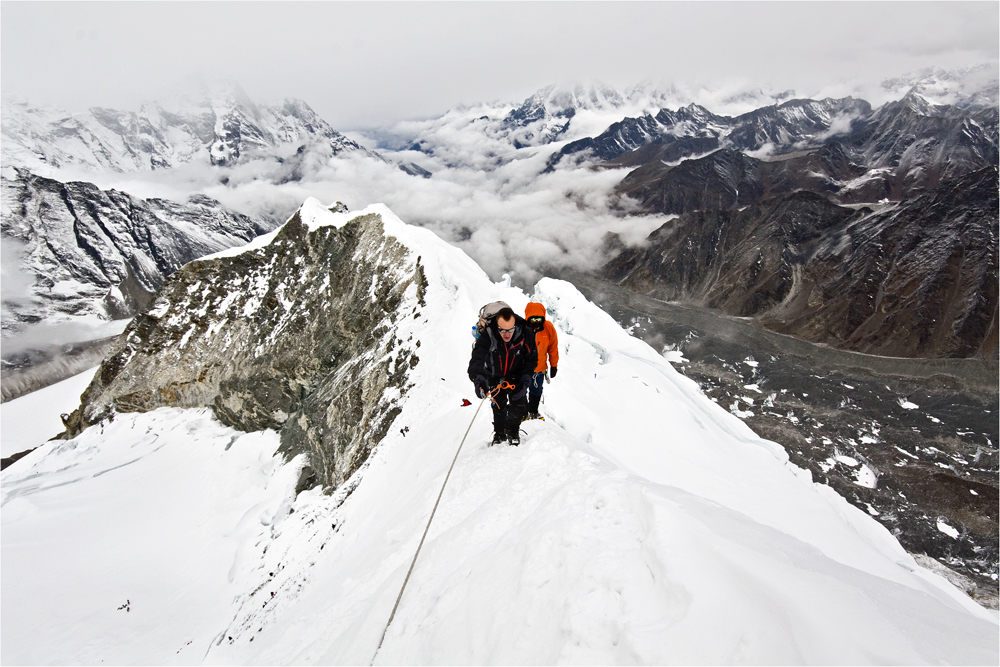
{"x": 486, "y": 315}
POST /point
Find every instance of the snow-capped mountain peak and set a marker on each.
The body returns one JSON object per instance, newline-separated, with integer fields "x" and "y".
{"x": 966, "y": 88}
{"x": 565, "y": 101}
{"x": 223, "y": 127}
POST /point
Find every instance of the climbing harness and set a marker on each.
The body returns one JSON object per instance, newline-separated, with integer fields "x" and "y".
{"x": 424, "y": 536}
{"x": 503, "y": 385}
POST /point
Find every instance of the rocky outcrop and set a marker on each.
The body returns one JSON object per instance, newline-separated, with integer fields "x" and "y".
{"x": 915, "y": 280}
{"x": 296, "y": 333}
{"x": 104, "y": 253}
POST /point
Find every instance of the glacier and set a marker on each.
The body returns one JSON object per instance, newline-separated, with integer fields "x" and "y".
{"x": 638, "y": 523}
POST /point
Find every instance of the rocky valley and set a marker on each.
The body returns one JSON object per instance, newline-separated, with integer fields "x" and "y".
{"x": 916, "y": 279}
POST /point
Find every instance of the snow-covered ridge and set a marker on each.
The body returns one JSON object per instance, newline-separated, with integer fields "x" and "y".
{"x": 314, "y": 214}
{"x": 639, "y": 523}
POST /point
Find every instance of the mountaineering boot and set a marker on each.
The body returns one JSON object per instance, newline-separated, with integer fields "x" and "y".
{"x": 532, "y": 415}
{"x": 514, "y": 438}
{"x": 498, "y": 438}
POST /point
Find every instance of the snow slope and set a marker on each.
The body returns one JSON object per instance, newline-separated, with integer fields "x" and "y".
{"x": 639, "y": 523}
{"x": 28, "y": 421}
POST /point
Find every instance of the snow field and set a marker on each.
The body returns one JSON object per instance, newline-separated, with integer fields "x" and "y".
{"x": 118, "y": 545}
{"x": 639, "y": 523}
{"x": 32, "y": 419}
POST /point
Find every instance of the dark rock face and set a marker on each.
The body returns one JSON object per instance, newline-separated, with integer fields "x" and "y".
{"x": 728, "y": 179}
{"x": 916, "y": 280}
{"x": 104, "y": 252}
{"x": 665, "y": 150}
{"x": 735, "y": 261}
{"x": 795, "y": 122}
{"x": 920, "y": 145}
{"x": 919, "y": 280}
{"x": 414, "y": 170}
{"x": 27, "y": 371}
{"x": 723, "y": 180}
{"x": 781, "y": 125}
{"x": 296, "y": 336}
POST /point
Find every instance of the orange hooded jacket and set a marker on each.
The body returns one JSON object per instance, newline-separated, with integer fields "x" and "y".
{"x": 546, "y": 339}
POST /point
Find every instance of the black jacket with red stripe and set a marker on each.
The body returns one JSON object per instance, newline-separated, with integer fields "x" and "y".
{"x": 495, "y": 360}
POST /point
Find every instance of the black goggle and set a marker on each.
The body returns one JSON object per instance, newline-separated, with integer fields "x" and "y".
{"x": 536, "y": 319}
{"x": 511, "y": 330}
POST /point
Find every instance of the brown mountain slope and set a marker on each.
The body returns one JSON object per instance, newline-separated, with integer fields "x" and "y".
{"x": 916, "y": 280}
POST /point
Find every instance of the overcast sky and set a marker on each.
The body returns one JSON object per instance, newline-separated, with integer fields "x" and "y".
{"x": 371, "y": 63}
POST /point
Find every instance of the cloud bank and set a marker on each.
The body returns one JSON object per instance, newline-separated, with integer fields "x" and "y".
{"x": 506, "y": 214}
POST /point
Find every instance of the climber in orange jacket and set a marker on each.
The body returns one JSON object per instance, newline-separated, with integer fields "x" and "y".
{"x": 548, "y": 354}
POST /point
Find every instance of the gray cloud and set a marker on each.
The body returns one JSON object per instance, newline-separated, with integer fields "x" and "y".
{"x": 15, "y": 284}
{"x": 60, "y": 332}
{"x": 509, "y": 218}
{"x": 374, "y": 63}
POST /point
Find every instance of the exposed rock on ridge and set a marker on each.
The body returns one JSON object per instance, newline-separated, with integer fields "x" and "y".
{"x": 917, "y": 280}
{"x": 545, "y": 116}
{"x": 297, "y": 333}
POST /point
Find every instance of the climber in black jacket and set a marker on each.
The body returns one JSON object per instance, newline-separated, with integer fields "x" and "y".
{"x": 503, "y": 360}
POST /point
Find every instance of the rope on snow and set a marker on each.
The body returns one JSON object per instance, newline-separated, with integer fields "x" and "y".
{"x": 424, "y": 536}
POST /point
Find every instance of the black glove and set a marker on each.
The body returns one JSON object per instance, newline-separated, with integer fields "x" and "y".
{"x": 481, "y": 387}
{"x": 520, "y": 388}
{"x": 553, "y": 373}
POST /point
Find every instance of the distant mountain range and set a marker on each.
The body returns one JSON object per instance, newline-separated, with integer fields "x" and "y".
{"x": 88, "y": 254}
{"x": 599, "y": 123}
{"x": 223, "y": 129}
{"x": 691, "y": 159}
